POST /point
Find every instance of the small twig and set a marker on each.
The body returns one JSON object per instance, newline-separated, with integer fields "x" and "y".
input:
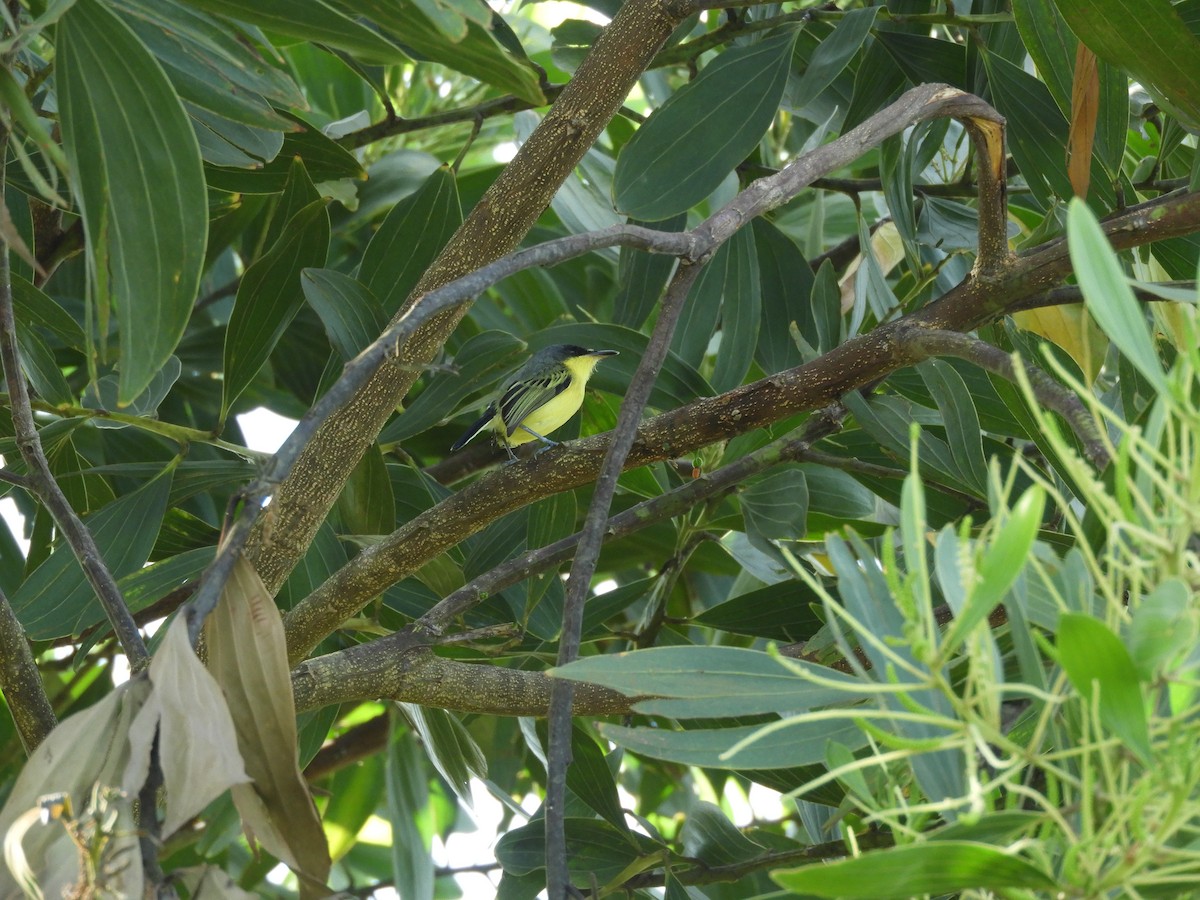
{"x": 42, "y": 484}
{"x": 591, "y": 537}
{"x": 12, "y": 477}
{"x": 1049, "y": 393}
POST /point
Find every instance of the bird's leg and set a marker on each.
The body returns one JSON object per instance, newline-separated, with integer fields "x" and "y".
{"x": 541, "y": 437}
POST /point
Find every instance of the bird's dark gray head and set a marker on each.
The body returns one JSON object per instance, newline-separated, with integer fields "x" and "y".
{"x": 557, "y": 353}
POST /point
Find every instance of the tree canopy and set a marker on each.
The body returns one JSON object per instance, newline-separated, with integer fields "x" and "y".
{"x": 889, "y": 503}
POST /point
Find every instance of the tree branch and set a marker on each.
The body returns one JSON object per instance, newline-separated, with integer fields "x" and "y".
{"x": 22, "y": 683}
{"x": 320, "y": 612}
{"x": 855, "y": 363}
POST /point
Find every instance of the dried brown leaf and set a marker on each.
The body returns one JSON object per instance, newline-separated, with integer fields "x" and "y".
{"x": 86, "y": 749}
{"x": 247, "y": 655}
{"x": 198, "y": 747}
{"x": 1085, "y": 108}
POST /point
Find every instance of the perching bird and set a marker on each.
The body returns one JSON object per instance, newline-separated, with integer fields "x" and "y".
{"x": 541, "y": 397}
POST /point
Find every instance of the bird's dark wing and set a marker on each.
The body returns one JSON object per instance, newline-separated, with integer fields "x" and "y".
{"x": 525, "y": 395}
{"x": 477, "y": 426}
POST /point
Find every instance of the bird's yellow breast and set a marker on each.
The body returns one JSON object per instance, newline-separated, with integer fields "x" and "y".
{"x": 555, "y": 413}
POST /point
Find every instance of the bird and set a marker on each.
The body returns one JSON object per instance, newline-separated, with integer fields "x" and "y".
{"x": 539, "y": 398}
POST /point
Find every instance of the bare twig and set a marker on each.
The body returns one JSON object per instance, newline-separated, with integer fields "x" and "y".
{"x": 42, "y": 484}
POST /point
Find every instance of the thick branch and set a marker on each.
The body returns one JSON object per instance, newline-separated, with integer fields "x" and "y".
{"x": 494, "y": 227}
{"x": 859, "y": 361}
{"x": 400, "y": 667}
{"x": 919, "y": 104}
{"x": 21, "y": 682}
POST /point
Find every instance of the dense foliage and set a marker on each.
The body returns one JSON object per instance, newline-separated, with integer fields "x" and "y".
{"x": 904, "y": 294}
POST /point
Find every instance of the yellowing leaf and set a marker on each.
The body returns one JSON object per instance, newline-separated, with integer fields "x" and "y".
{"x": 1085, "y": 107}
{"x": 247, "y": 655}
{"x": 1072, "y": 329}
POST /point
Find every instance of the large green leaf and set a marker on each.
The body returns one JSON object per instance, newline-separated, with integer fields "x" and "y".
{"x": 832, "y": 55}
{"x": 741, "y": 310}
{"x": 785, "y": 281}
{"x": 941, "y": 867}
{"x": 695, "y": 139}
{"x": 137, "y": 177}
{"x": 350, "y": 313}
{"x": 799, "y": 742}
{"x": 705, "y": 682}
{"x": 1096, "y": 660}
{"x": 57, "y": 600}
{"x": 641, "y": 277}
{"x": 479, "y": 54}
{"x": 1149, "y": 40}
{"x": 311, "y": 20}
{"x": 409, "y": 239}
{"x": 270, "y": 295}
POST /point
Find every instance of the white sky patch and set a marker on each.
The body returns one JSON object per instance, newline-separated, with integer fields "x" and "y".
{"x": 16, "y": 522}
{"x": 265, "y": 430}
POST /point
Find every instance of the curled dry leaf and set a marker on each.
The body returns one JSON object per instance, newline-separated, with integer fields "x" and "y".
{"x": 89, "y": 749}
{"x": 197, "y": 747}
{"x": 247, "y": 655}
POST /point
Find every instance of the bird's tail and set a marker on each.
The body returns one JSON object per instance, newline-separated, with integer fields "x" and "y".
{"x": 479, "y": 425}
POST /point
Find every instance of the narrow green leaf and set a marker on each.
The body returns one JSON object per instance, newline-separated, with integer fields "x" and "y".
{"x": 798, "y": 742}
{"x": 954, "y": 401}
{"x": 56, "y": 600}
{"x": 479, "y": 54}
{"x": 366, "y": 505}
{"x": 785, "y": 282}
{"x": 140, "y": 189}
{"x": 781, "y": 612}
{"x": 702, "y": 310}
{"x": 775, "y": 506}
{"x": 349, "y": 311}
{"x": 450, "y": 746}
{"x": 33, "y": 307}
{"x": 741, "y": 311}
{"x": 736, "y": 97}
{"x": 708, "y": 834}
{"x": 999, "y": 566}
{"x": 594, "y": 848}
{"x": 324, "y": 160}
{"x": 1095, "y": 660}
{"x": 409, "y": 239}
{"x": 311, "y": 20}
{"x": 695, "y": 682}
{"x": 941, "y": 867}
{"x": 833, "y": 54}
{"x": 550, "y": 519}
{"x": 269, "y": 297}
{"x": 1107, "y": 294}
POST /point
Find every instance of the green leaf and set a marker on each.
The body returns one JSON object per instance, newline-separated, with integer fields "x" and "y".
{"x": 940, "y": 867}
{"x": 706, "y": 682}
{"x": 740, "y": 313}
{"x": 349, "y": 311}
{"x": 781, "y": 612}
{"x": 954, "y": 401}
{"x": 33, "y": 307}
{"x": 478, "y": 54}
{"x": 999, "y": 566}
{"x": 450, "y": 746}
{"x": 269, "y": 297}
{"x": 1095, "y": 659}
{"x": 832, "y": 55}
{"x": 798, "y": 742}
{"x": 311, "y": 20}
{"x": 353, "y": 798}
{"x": 410, "y": 238}
{"x": 1148, "y": 39}
{"x": 324, "y": 160}
{"x": 57, "y": 600}
{"x": 550, "y": 519}
{"x": 708, "y": 834}
{"x": 1163, "y": 628}
{"x": 736, "y": 97}
{"x": 775, "y": 506}
{"x": 594, "y": 848}
{"x": 1108, "y": 296}
{"x": 140, "y": 189}
{"x": 641, "y": 277}
{"x": 785, "y": 282}
{"x": 366, "y": 505}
